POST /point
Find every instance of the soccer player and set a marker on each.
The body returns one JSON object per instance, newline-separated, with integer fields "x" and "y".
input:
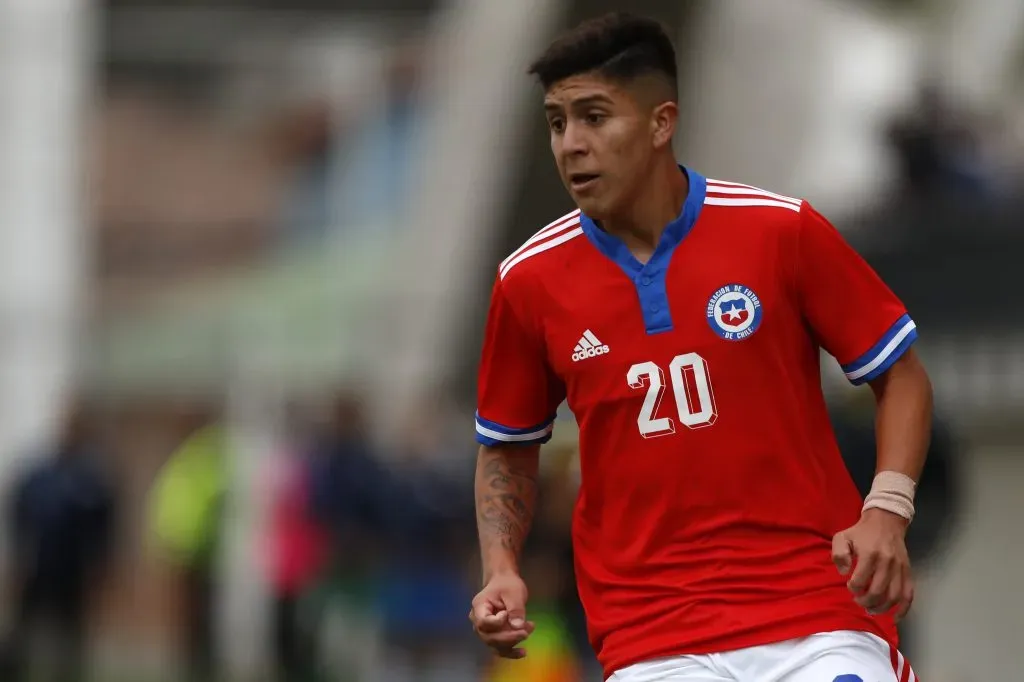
{"x": 718, "y": 536}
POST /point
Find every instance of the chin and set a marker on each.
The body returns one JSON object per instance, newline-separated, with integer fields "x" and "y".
{"x": 592, "y": 206}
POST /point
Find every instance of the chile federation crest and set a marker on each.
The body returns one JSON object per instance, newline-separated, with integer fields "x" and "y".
{"x": 734, "y": 312}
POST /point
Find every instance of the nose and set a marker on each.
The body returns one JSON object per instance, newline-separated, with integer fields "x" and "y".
{"x": 574, "y": 140}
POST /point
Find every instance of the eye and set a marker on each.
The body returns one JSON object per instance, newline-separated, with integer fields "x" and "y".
{"x": 556, "y": 124}
{"x": 595, "y": 118}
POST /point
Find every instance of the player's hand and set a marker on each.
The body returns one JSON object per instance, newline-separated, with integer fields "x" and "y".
{"x": 875, "y": 550}
{"x": 499, "y": 615}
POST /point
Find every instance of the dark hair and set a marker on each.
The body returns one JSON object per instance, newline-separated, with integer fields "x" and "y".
{"x": 619, "y": 46}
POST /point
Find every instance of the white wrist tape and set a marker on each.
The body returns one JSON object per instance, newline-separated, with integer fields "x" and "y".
{"x": 893, "y": 492}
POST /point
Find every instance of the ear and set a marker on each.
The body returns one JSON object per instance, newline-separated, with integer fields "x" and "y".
{"x": 663, "y": 123}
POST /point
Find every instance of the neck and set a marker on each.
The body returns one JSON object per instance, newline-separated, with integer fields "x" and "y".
{"x": 659, "y": 202}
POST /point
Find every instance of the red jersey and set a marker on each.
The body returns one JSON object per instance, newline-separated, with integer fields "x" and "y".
{"x": 711, "y": 481}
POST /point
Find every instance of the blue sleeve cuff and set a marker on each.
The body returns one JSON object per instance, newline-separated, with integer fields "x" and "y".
{"x": 492, "y": 433}
{"x": 880, "y": 357}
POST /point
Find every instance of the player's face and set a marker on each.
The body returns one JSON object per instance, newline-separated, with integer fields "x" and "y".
{"x": 603, "y": 141}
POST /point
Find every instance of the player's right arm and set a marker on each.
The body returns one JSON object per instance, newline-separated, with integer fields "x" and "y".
{"x": 506, "y": 496}
{"x": 517, "y": 396}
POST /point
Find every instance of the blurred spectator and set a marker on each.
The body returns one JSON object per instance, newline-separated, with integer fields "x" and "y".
{"x": 61, "y": 523}
{"x": 937, "y": 148}
{"x": 351, "y": 491}
{"x": 298, "y": 546}
{"x": 425, "y": 589}
{"x": 186, "y": 507}
{"x": 353, "y": 496}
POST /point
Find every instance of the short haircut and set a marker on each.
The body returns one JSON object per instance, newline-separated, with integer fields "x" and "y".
{"x": 619, "y": 46}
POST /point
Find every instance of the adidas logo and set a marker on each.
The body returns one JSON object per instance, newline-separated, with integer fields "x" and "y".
{"x": 588, "y": 347}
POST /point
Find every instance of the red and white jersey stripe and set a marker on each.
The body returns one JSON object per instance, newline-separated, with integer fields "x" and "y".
{"x": 551, "y": 235}
{"x": 725, "y": 193}
{"x": 901, "y": 666}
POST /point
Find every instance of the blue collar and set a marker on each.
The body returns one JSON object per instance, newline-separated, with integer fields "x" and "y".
{"x": 649, "y": 278}
{"x": 675, "y": 231}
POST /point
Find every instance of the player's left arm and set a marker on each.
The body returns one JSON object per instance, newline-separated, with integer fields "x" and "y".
{"x": 882, "y": 579}
{"x": 903, "y": 418}
{"x": 858, "y": 319}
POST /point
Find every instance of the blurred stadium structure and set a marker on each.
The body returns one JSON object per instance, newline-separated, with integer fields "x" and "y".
{"x": 246, "y": 208}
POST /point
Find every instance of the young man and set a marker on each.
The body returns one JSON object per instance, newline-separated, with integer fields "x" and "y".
{"x": 718, "y": 535}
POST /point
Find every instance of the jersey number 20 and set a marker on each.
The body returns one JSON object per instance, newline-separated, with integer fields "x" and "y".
{"x": 691, "y": 385}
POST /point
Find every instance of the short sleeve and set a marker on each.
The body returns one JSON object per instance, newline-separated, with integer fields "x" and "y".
{"x": 852, "y": 313}
{"x": 517, "y": 392}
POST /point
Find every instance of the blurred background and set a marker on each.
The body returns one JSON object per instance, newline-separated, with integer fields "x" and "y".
{"x": 246, "y": 248}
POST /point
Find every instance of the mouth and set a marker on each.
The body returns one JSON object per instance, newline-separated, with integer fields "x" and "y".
{"x": 583, "y": 181}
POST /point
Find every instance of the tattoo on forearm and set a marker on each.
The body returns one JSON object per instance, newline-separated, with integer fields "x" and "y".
{"x": 506, "y": 490}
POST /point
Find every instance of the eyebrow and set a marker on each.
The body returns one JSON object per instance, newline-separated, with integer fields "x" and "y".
{"x": 579, "y": 103}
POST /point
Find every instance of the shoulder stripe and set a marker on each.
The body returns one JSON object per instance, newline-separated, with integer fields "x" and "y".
{"x": 719, "y": 201}
{"x": 747, "y": 191}
{"x": 548, "y": 230}
{"x": 730, "y": 183}
{"x": 542, "y": 247}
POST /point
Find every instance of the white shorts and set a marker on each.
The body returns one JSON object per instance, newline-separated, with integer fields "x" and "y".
{"x": 844, "y": 656}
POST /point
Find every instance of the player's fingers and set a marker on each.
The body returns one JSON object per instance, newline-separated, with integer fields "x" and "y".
{"x": 842, "y": 553}
{"x": 481, "y": 609}
{"x": 516, "y": 610}
{"x": 907, "y": 597}
{"x": 863, "y": 572}
{"x": 875, "y": 597}
{"x": 513, "y": 653}
{"x": 891, "y": 592}
{"x": 894, "y": 594}
{"x": 493, "y": 622}
{"x": 505, "y": 638}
